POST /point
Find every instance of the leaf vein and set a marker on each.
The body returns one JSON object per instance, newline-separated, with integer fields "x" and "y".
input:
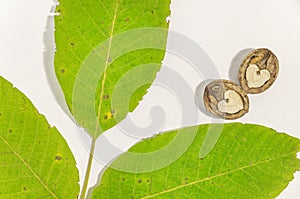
{"x": 28, "y": 166}
{"x": 215, "y": 176}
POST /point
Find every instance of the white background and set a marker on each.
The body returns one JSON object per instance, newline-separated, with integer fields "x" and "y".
{"x": 222, "y": 28}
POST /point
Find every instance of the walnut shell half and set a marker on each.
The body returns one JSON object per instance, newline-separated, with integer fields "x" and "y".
{"x": 226, "y": 99}
{"x": 258, "y": 71}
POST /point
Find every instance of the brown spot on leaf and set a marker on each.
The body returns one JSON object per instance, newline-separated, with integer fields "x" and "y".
{"x": 106, "y": 97}
{"x": 24, "y": 188}
{"x": 140, "y": 181}
{"x": 58, "y": 158}
{"x": 62, "y": 70}
{"x": 186, "y": 180}
{"x": 127, "y": 19}
{"x": 10, "y": 131}
{"x": 72, "y": 44}
{"x": 110, "y": 114}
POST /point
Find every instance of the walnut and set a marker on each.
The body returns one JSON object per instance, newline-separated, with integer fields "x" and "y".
{"x": 226, "y": 99}
{"x": 258, "y": 71}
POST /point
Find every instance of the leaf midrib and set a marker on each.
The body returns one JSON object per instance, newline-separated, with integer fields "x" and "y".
{"x": 28, "y": 167}
{"x": 94, "y": 136}
{"x": 106, "y": 63}
{"x": 215, "y": 176}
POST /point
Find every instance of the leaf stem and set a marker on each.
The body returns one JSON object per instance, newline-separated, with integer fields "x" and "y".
{"x": 88, "y": 169}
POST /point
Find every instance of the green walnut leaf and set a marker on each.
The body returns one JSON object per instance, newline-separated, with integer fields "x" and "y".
{"x": 108, "y": 55}
{"x": 248, "y": 161}
{"x": 101, "y": 46}
{"x": 35, "y": 160}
